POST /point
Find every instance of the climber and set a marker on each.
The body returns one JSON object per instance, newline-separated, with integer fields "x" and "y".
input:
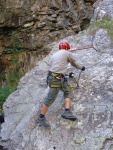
{"x": 57, "y": 81}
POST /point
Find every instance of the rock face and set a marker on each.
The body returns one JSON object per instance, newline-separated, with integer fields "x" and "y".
{"x": 103, "y": 9}
{"x": 92, "y": 102}
{"x": 39, "y": 23}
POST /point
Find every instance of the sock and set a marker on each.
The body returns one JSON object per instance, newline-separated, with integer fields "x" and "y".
{"x": 41, "y": 116}
{"x": 66, "y": 109}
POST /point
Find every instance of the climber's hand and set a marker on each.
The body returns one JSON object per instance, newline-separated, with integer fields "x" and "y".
{"x": 71, "y": 74}
{"x": 83, "y": 68}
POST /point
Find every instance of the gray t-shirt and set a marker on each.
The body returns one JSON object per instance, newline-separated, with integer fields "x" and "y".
{"x": 60, "y": 60}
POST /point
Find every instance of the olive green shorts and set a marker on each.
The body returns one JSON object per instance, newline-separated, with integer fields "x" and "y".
{"x": 55, "y": 85}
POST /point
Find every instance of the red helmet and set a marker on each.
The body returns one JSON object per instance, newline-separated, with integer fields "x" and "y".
{"x": 64, "y": 45}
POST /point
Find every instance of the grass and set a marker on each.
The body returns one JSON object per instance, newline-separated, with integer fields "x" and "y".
{"x": 106, "y": 23}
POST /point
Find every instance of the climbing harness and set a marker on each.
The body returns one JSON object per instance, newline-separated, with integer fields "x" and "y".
{"x": 57, "y": 75}
{"x": 55, "y": 80}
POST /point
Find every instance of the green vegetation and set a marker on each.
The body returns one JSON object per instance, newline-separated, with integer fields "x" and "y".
{"x": 5, "y": 92}
{"x": 9, "y": 81}
{"x": 8, "y": 85}
{"x": 14, "y": 44}
{"x": 106, "y": 23}
{"x": 14, "y": 59}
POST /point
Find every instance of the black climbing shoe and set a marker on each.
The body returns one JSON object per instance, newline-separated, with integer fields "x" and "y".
{"x": 68, "y": 115}
{"x": 43, "y": 123}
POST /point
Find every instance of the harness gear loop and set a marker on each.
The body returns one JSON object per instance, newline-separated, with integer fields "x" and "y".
{"x": 55, "y": 83}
